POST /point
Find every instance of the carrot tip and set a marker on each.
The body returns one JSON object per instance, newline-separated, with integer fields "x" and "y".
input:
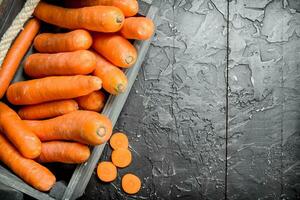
{"x": 120, "y": 88}
{"x": 101, "y": 131}
{"x": 119, "y": 19}
{"x": 129, "y": 60}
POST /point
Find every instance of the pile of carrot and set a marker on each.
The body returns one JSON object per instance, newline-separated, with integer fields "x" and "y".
{"x": 120, "y": 158}
{"x": 70, "y": 76}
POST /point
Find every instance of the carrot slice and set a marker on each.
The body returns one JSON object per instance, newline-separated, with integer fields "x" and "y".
{"x": 131, "y": 184}
{"x": 118, "y": 141}
{"x": 107, "y": 171}
{"x": 121, "y": 157}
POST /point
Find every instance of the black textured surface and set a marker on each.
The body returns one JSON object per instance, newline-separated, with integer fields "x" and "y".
{"x": 175, "y": 116}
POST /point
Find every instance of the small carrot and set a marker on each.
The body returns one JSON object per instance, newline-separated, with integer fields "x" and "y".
{"x": 123, "y": 54}
{"x": 121, "y": 157}
{"x": 137, "y": 28}
{"x": 15, "y": 54}
{"x": 52, "y": 88}
{"x": 30, "y": 171}
{"x": 94, "y": 101}
{"x": 128, "y": 7}
{"x": 95, "y": 18}
{"x": 106, "y": 171}
{"x": 48, "y": 109}
{"x": 118, "y": 141}
{"x": 64, "y": 152}
{"x": 18, "y": 133}
{"x": 114, "y": 79}
{"x": 87, "y": 127}
{"x": 131, "y": 184}
{"x": 63, "y": 42}
{"x": 79, "y": 62}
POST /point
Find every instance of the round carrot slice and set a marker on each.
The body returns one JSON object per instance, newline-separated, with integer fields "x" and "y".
{"x": 106, "y": 171}
{"x": 131, "y": 184}
{"x": 118, "y": 141}
{"x": 121, "y": 157}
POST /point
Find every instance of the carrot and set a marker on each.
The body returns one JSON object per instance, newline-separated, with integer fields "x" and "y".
{"x": 131, "y": 184}
{"x": 52, "y": 88}
{"x": 115, "y": 48}
{"x": 48, "y": 109}
{"x": 94, "y": 101}
{"x": 106, "y": 171}
{"x": 118, "y": 141}
{"x": 64, "y": 152}
{"x": 15, "y": 54}
{"x": 114, "y": 79}
{"x": 121, "y": 157}
{"x": 87, "y": 127}
{"x": 137, "y": 28}
{"x": 30, "y": 171}
{"x": 18, "y": 133}
{"x": 128, "y": 7}
{"x": 79, "y": 62}
{"x": 95, "y": 18}
{"x": 63, "y": 42}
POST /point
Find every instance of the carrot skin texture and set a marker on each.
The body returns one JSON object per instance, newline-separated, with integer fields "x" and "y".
{"x": 48, "y": 109}
{"x": 137, "y": 28}
{"x": 113, "y": 79}
{"x": 30, "y": 171}
{"x": 124, "y": 53}
{"x": 86, "y": 127}
{"x": 51, "y": 88}
{"x": 128, "y": 7}
{"x": 63, "y": 42}
{"x": 18, "y": 133}
{"x": 64, "y": 152}
{"x": 16, "y": 52}
{"x": 79, "y": 62}
{"x": 95, "y": 18}
{"x": 94, "y": 101}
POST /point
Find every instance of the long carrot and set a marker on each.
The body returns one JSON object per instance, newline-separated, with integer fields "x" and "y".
{"x": 95, "y": 18}
{"x": 79, "y": 62}
{"x": 128, "y": 7}
{"x": 114, "y": 79}
{"x": 52, "y": 88}
{"x": 30, "y": 171}
{"x": 63, "y": 42}
{"x": 15, "y": 54}
{"x": 115, "y": 48}
{"x": 18, "y": 133}
{"x": 87, "y": 127}
{"x": 137, "y": 28}
{"x": 48, "y": 109}
{"x": 94, "y": 101}
{"x": 64, "y": 152}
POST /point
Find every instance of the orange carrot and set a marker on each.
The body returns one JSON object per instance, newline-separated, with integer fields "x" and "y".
{"x": 18, "y": 133}
{"x": 30, "y": 171}
{"x": 115, "y": 48}
{"x": 118, "y": 141}
{"x": 114, "y": 79}
{"x": 63, "y": 42}
{"x": 128, "y": 7}
{"x": 48, "y": 109}
{"x": 87, "y": 127}
{"x": 106, "y": 171}
{"x": 131, "y": 184}
{"x": 64, "y": 152}
{"x": 52, "y": 88}
{"x": 95, "y": 18}
{"x": 79, "y": 62}
{"x": 137, "y": 28}
{"x": 94, "y": 101}
{"x": 15, "y": 54}
{"x": 121, "y": 157}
